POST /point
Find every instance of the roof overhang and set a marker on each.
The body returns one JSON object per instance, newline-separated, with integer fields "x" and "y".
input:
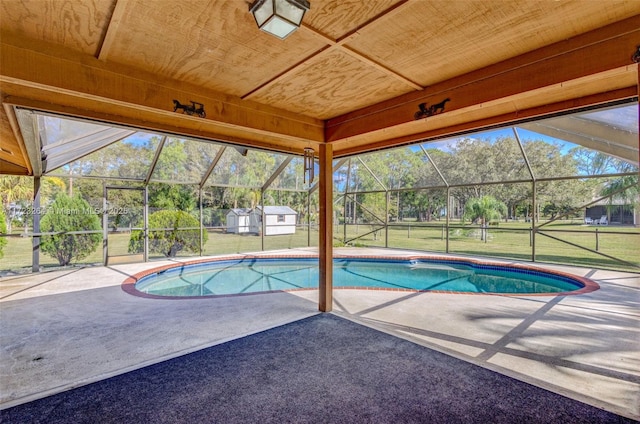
{"x": 590, "y": 69}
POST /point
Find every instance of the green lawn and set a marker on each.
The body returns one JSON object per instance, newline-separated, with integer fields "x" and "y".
{"x": 507, "y": 240}
{"x": 17, "y": 253}
{"x": 512, "y": 240}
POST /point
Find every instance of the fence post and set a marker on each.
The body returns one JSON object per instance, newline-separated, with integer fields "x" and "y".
{"x": 145, "y": 223}
{"x": 35, "y": 240}
{"x": 534, "y": 205}
{"x": 386, "y": 219}
{"x": 105, "y": 225}
{"x": 446, "y": 222}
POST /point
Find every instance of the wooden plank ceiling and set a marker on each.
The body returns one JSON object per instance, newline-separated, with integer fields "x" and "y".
{"x": 353, "y": 75}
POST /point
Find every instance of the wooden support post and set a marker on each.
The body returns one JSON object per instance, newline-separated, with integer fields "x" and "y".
{"x": 325, "y": 301}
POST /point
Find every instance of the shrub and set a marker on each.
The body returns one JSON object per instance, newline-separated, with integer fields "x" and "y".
{"x": 3, "y": 230}
{"x": 69, "y": 214}
{"x": 172, "y": 240}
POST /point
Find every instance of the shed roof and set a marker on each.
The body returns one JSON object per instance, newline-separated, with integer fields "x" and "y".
{"x": 240, "y": 211}
{"x": 277, "y": 210}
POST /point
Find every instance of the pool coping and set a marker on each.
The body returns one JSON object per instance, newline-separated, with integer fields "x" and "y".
{"x": 128, "y": 285}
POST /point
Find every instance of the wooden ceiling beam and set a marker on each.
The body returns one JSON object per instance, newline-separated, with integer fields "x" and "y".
{"x": 469, "y": 125}
{"x": 8, "y": 156}
{"x": 355, "y": 33}
{"x": 63, "y": 79}
{"x": 133, "y": 118}
{"x": 341, "y": 44}
{"x": 8, "y": 168}
{"x": 329, "y": 44}
{"x": 281, "y": 76}
{"x": 385, "y": 14}
{"x": 12, "y": 149}
{"x": 119, "y": 12}
{"x": 362, "y": 58}
{"x": 591, "y": 53}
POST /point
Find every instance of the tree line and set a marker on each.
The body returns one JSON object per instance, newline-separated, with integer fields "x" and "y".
{"x": 475, "y": 170}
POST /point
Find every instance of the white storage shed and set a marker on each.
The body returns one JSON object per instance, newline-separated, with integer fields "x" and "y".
{"x": 278, "y": 219}
{"x": 239, "y": 221}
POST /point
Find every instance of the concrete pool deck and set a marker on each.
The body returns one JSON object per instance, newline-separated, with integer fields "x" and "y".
{"x": 63, "y": 329}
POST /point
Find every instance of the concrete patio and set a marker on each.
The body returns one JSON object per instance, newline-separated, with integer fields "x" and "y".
{"x": 63, "y": 329}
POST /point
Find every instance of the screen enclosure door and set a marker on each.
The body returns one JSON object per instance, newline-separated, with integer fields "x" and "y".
{"x": 124, "y": 224}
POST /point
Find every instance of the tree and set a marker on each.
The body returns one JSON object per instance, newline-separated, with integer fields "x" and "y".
{"x": 12, "y": 190}
{"x": 424, "y": 204}
{"x": 169, "y": 236}
{"x": 615, "y": 188}
{"x": 172, "y": 196}
{"x": 370, "y": 209}
{"x": 18, "y": 191}
{"x": 558, "y": 198}
{"x": 592, "y": 162}
{"x": 485, "y": 209}
{"x": 128, "y": 158}
{"x": 243, "y": 173}
{"x": 68, "y": 213}
{"x": 514, "y": 195}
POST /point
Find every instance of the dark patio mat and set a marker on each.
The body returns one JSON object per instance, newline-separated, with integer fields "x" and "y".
{"x": 322, "y": 369}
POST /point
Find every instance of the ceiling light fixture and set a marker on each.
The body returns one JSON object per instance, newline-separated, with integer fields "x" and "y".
{"x": 279, "y": 17}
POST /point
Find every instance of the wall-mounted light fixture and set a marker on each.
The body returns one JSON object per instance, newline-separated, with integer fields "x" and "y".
{"x": 309, "y": 165}
{"x": 279, "y": 17}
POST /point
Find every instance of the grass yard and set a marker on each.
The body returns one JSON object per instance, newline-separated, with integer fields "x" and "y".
{"x": 507, "y": 240}
{"x": 513, "y": 240}
{"x": 18, "y": 251}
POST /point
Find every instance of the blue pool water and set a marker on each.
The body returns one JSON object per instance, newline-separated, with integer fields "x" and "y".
{"x": 261, "y": 275}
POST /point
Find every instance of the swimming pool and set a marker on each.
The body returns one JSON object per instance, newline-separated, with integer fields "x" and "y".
{"x": 246, "y": 275}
